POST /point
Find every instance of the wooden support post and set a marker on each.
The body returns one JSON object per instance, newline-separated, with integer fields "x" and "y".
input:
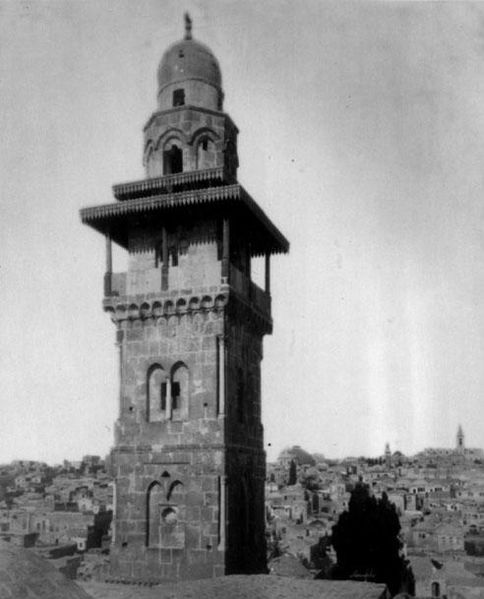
{"x": 108, "y": 275}
{"x": 109, "y": 254}
{"x": 268, "y": 273}
{"x": 225, "y": 251}
{"x": 164, "y": 260}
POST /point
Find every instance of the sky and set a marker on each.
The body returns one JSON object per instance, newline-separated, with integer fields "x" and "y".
{"x": 361, "y": 136}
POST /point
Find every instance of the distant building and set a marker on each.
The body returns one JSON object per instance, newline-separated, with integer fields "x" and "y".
{"x": 388, "y": 456}
{"x": 460, "y": 447}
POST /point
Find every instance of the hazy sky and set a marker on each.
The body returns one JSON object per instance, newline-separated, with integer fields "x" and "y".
{"x": 362, "y": 137}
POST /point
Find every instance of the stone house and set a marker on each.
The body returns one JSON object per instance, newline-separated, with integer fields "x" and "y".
{"x": 421, "y": 535}
{"x": 398, "y": 500}
{"x": 473, "y": 515}
{"x": 449, "y": 537}
{"x": 288, "y": 504}
{"x": 434, "y": 535}
{"x": 429, "y": 577}
{"x": 60, "y": 527}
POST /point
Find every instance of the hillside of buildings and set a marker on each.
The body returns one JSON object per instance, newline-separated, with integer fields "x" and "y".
{"x": 64, "y": 514}
{"x": 438, "y": 495}
{"x": 61, "y": 512}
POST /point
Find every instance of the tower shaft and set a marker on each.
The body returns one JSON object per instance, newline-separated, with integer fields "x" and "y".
{"x": 188, "y": 457}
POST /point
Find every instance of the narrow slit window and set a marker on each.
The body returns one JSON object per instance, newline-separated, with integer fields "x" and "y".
{"x": 179, "y": 392}
{"x": 175, "y": 395}
{"x": 179, "y": 97}
{"x": 156, "y": 394}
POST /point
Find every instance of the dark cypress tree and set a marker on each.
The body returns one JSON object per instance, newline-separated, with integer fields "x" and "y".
{"x": 367, "y": 544}
{"x": 292, "y": 473}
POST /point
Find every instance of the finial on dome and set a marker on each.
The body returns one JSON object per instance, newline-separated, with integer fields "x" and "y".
{"x": 188, "y": 27}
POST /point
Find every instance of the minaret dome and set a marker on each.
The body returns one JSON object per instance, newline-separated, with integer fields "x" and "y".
{"x": 189, "y": 74}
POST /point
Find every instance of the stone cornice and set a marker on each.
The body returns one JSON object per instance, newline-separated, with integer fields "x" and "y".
{"x": 218, "y": 113}
{"x": 153, "y": 306}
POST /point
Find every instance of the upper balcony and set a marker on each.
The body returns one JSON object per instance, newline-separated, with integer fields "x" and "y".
{"x": 115, "y": 284}
{"x": 208, "y": 177}
{"x": 116, "y": 287}
{"x": 257, "y": 297}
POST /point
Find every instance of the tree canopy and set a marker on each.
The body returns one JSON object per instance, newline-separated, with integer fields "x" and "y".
{"x": 367, "y": 544}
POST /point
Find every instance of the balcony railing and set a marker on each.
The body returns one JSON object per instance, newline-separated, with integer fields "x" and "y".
{"x": 239, "y": 281}
{"x": 114, "y": 284}
{"x": 243, "y": 285}
{"x": 260, "y": 298}
{"x": 169, "y": 183}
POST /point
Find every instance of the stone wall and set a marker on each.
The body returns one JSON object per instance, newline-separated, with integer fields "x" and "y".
{"x": 212, "y": 521}
{"x": 177, "y": 534}
{"x": 244, "y": 442}
{"x": 188, "y": 460}
{"x": 192, "y": 261}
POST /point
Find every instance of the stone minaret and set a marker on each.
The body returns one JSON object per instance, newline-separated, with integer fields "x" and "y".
{"x": 388, "y": 456}
{"x": 188, "y": 457}
{"x": 460, "y": 440}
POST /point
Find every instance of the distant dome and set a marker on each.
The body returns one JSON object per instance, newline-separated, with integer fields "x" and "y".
{"x": 188, "y": 60}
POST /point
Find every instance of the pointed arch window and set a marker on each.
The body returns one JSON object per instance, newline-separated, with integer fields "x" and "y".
{"x": 179, "y": 391}
{"x": 154, "y": 501}
{"x": 205, "y": 153}
{"x": 167, "y": 396}
{"x": 165, "y": 515}
{"x": 172, "y": 158}
{"x": 157, "y": 394}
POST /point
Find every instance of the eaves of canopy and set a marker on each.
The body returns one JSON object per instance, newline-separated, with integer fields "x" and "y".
{"x": 226, "y": 201}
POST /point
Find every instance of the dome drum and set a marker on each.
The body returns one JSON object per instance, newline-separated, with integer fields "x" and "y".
{"x": 191, "y": 68}
{"x": 192, "y": 92}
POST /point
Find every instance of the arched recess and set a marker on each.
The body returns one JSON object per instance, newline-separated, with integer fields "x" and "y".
{"x": 148, "y": 152}
{"x": 231, "y": 160}
{"x": 154, "y": 499}
{"x": 172, "y": 488}
{"x": 156, "y": 391}
{"x": 206, "y": 152}
{"x": 180, "y": 383}
{"x": 172, "y": 156}
{"x": 152, "y": 160}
